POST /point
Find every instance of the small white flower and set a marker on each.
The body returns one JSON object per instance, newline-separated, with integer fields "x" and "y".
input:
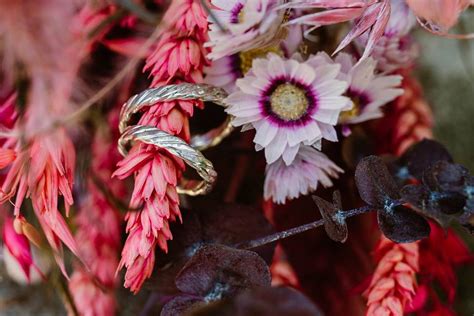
{"x": 309, "y": 169}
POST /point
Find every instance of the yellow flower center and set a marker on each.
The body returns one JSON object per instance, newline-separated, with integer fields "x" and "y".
{"x": 289, "y": 102}
{"x": 350, "y": 114}
{"x": 247, "y": 57}
{"x": 355, "y": 111}
{"x": 241, "y": 15}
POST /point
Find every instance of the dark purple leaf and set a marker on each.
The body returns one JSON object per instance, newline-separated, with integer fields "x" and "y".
{"x": 469, "y": 191}
{"x": 180, "y": 305}
{"x": 334, "y": 222}
{"x": 420, "y": 197}
{"x": 230, "y": 224}
{"x": 402, "y": 225}
{"x": 208, "y": 223}
{"x": 217, "y": 271}
{"x": 422, "y": 155}
{"x": 445, "y": 176}
{"x": 374, "y": 182}
{"x": 264, "y": 301}
{"x": 450, "y": 202}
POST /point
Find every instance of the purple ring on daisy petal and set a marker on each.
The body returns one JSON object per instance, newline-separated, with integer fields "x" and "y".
{"x": 289, "y": 103}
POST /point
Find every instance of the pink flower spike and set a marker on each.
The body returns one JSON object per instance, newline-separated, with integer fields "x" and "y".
{"x": 89, "y": 298}
{"x": 393, "y": 285}
{"x": 93, "y": 291}
{"x": 309, "y": 169}
{"x": 289, "y": 103}
{"x": 178, "y": 56}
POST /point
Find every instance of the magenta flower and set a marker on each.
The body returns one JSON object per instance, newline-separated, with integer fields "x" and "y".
{"x": 309, "y": 169}
{"x": 248, "y": 24}
{"x": 289, "y": 103}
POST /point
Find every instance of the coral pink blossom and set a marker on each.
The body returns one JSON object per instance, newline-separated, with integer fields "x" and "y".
{"x": 441, "y": 14}
{"x": 393, "y": 284}
{"x": 177, "y": 57}
{"x": 289, "y": 103}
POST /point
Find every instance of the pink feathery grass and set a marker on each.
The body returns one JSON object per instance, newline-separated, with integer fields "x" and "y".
{"x": 177, "y": 57}
{"x": 393, "y": 284}
{"x": 51, "y": 51}
{"x": 93, "y": 291}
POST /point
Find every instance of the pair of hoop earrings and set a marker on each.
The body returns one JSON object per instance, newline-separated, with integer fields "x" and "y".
{"x": 189, "y": 153}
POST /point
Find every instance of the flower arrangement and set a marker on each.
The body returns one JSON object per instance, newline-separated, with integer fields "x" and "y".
{"x": 118, "y": 168}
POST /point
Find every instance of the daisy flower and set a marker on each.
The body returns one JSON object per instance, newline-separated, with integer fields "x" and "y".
{"x": 309, "y": 168}
{"x": 289, "y": 103}
{"x": 247, "y": 24}
{"x": 224, "y": 71}
{"x": 367, "y": 90}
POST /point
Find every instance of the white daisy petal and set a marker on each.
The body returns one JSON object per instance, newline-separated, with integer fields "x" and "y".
{"x": 289, "y": 154}
{"x": 309, "y": 168}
